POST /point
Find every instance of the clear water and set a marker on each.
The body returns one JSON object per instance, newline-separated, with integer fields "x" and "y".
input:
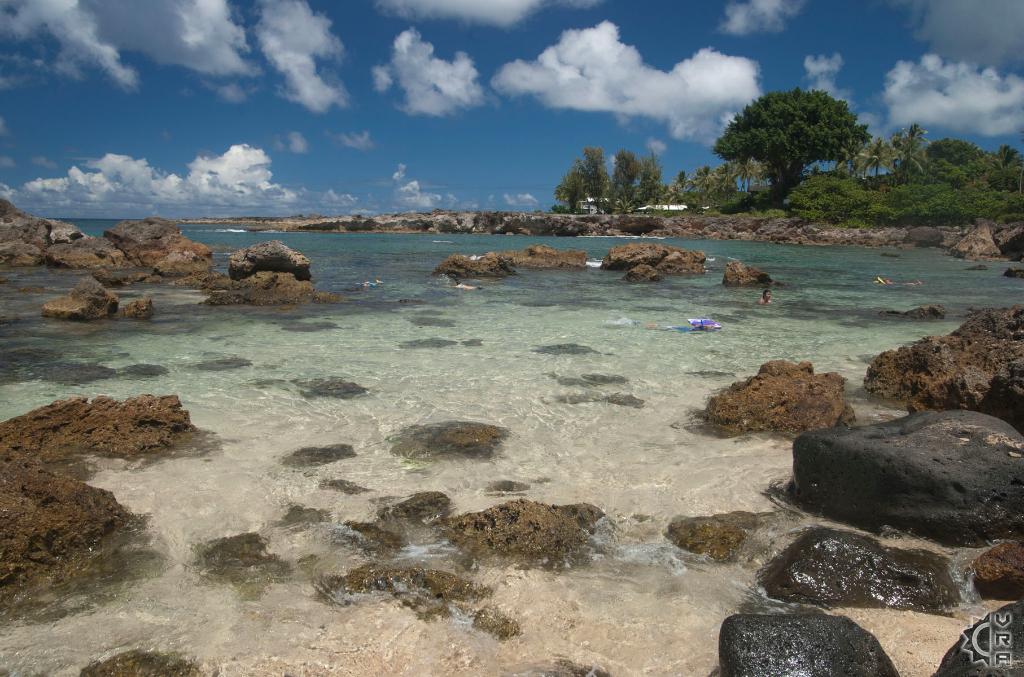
{"x": 642, "y": 607}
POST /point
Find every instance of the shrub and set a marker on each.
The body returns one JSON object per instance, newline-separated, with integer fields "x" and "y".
{"x": 835, "y": 199}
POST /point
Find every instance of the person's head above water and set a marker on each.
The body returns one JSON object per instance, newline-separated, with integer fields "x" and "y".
{"x": 766, "y": 294}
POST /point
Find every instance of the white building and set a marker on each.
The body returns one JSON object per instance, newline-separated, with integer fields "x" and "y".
{"x": 663, "y": 208}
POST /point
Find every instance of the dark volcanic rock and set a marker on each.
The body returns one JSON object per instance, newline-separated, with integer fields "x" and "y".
{"x": 833, "y": 568}
{"x": 51, "y": 523}
{"x": 642, "y": 273}
{"x": 783, "y": 397}
{"x": 666, "y": 259}
{"x": 272, "y": 257}
{"x": 223, "y": 364}
{"x": 461, "y": 267}
{"x": 999, "y": 572}
{"x": 330, "y": 387}
{"x": 739, "y": 274}
{"x": 140, "y": 663}
{"x": 930, "y": 312}
{"x": 242, "y": 561}
{"x": 954, "y": 477}
{"x": 426, "y": 506}
{"x": 717, "y": 536}
{"x": 801, "y": 645}
{"x": 344, "y": 486}
{"x": 86, "y": 253}
{"x": 451, "y": 439}
{"x": 1008, "y": 622}
{"x": 311, "y": 457}
{"x": 72, "y": 373}
{"x": 300, "y": 515}
{"x": 565, "y": 349}
{"x": 527, "y": 532}
{"x": 104, "y": 427}
{"x": 507, "y": 487}
{"x": 980, "y": 367}
{"x": 87, "y": 301}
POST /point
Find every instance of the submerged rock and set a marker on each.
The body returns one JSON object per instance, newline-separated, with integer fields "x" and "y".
{"x": 720, "y": 537}
{"x": 565, "y": 349}
{"x": 591, "y": 380}
{"x": 300, "y": 515}
{"x": 618, "y": 399}
{"x": 87, "y": 301}
{"x": 980, "y": 367}
{"x": 832, "y": 568}
{"x": 955, "y": 477}
{"x": 494, "y": 622}
{"x": 72, "y": 373}
{"x": 311, "y": 457}
{"x": 370, "y": 537}
{"x": 104, "y": 427}
{"x": 527, "y": 532}
{"x": 145, "y": 370}
{"x": 86, "y": 253}
{"x": 330, "y": 387}
{"x": 999, "y": 572}
{"x": 272, "y": 257}
{"x": 344, "y": 486}
{"x": 808, "y": 645}
{"x": 739, "y": 274}
{"x": 242, "y": 561}
{"x": 223, "y": 364}
{"x": 419, "y": 344}
{"x": 783, "y": 397}
{"x": 974, "y": 649}
{"x": 52, "y": 524}
{"x": 642, "y": 273}
{"x": 138, "y": 663}
{"x": 507, "y": 487}
{"x": 665, "y": 259}
{"x": 451, "y": 439}
{"x": 543, "y": 256}
{"x": 428, "y": 592}
{"x": 459, "y": 267}
{"x": 930, "y": 312}
{"x": 139, "y": 309}
{"x": 426, "y": 507}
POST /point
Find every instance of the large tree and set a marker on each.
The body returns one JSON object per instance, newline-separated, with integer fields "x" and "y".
{"x": 595, "y": 174}
{"x": 624, "y": 176}
{"x": 787, "y": 131}
{"x": 651, "y": 188}
{"x": 571, "y": 190}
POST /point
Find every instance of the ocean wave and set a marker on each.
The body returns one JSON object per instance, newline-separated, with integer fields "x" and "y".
{"x": 230, "y": 230}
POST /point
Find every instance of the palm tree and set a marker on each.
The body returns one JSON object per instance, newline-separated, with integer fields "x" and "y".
{"x": 876, "y": 156}
{"x": 910, "y": 151}
{"x": 846, "y": 161}
{"x": 749, "y": 171}
{"x": 1006, "y": 157}
{"x": 725, "y": 176}
{"x": 703, "y": 182}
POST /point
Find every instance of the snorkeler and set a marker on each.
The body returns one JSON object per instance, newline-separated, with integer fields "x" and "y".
{"x": 375, "y": 283}
{"x": 465, "y": 287}
{"x": 766, "y": 298}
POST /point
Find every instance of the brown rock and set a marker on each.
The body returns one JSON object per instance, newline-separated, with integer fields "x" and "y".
{"x": 119, "y": 278}
{"x": 930, "y": 312}
{"x": 461, "y": 267}
{"x": 51, "y": 523}
{"x": 642, "y": 273}
{"x": 718, "y": 536}
{"x": 1014, "y": 272}
{"x": 139, "y": 309}
{"x": 494, "y": 622}
{"x": 87, "y": 253}
{"x": 977, "y": 244}
{"x": 17, "y": 226}
{"x": 542, "y": 256}
{"x": 151, "y": 240}
{"x": 20, "y": 254}
{"x": 261, "y": 289}
{"x": 428, "y": 592}
{"x": 741, "y": 275}
{"x": 666, "y": 259}
{"x": 528, "y": 532}
{"x": 783, "y": 397}
{"x": 139, "y": 663}
{"x": 87, "y": 301}
{"x": 181, "y": 263}
{"x": 271, "y": 257}
{"x": 104, "y": 427}
{"x": 999, "y": 573}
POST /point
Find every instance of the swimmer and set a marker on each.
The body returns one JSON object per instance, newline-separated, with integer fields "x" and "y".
{"x": 466, "y": 287}
{"x": 766, "y": 298}
{"x": 375, "y": 283}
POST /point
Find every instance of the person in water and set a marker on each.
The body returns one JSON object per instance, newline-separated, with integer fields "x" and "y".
{"x": 766, "y": 298}
{"x": 465, "y": 287}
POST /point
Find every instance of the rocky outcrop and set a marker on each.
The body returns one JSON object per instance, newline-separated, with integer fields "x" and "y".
{"x": 151, "y": 241}
{"x": 967, "y": 659}
{"x": 739, "y": 274}
{"x": 809, "y": 645}
{"x": 642, "y": 273}
{"x": 999, "y": 572}
{"x": 425, "y": 507}
{"x": 52, "y": 524}
{"x": 120, "y": 278}
{"x": 1011, "y": 242}
{"x": 720, "y": 537}
{"x": 954, "y": 477}
{"x": 980, "y": 367}
{"x": 138, "y": 663}
{"x": 459, "y": 267}
{"x": 924, "y": 236}
{"x": 1014, "y": 272}
{"x": 20, "y": 254}
{"x": 181, "y": 264}
{"x": 528, "y": 533}
{"x": 832, "y": 568}
{"x": 667, "y": 260}
{"x": 270, "y": 257}
{"x": 450, "y": 439}
{"x": 17, "y": 226}
{"x": 930, "y": 312}
{"x": 103, "y": 427}
{"x": 977, "y": 244}
{"x": 86, "y": 253}
{"x": 542, "y": 256}
{"x": 139, "y": 309}
{"x": 266, "y": 289}
{"x": 87, "y": 301}
{"x": 782, "y": 397}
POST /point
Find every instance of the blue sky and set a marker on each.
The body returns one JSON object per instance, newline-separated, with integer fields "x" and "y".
{"x": 191, "y": 107}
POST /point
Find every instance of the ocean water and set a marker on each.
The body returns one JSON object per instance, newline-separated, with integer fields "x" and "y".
{"x": 642, "y": 607}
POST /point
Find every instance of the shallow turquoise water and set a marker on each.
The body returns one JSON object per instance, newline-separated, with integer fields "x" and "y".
{"x": 642, "y": 466}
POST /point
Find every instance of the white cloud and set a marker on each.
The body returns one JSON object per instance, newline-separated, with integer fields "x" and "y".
{"x": 293, "y": 142}
{"x": 521, "y": 200}
{"x": 656, "y": 146}
{"x": 231, "y": 92}
{"x": 3, "y": 128}
{"x": 432, "y": 86}
{"x": 979, "y": 32}
{"x": 591, "y": 70}
{"x": 956, "y": 96}
{"x": 410, "y": 195}
{"x": 43, "y": 161}
{"x": 493, "y": 12}
{"x": 238, "y": 180}
{"x": 292, "y": 38}
{"x": 821, "y": 71}
{"x": 759, "y": 16}
{"x": 7, "y": 162}
{"x": 358, "y": 140}
{"x": 333, "y": 199}
{"x": 399, "y": 173}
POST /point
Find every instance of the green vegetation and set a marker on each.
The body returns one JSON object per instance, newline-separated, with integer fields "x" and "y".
{"x": 805, "y": 154}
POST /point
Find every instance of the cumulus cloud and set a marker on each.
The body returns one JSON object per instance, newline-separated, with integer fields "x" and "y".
{"x": 592, "y": 70}
{"x": 988, "y": 33}
{"x": 432, "y": 86}
{"x": 493, "y": 12}
{"x": 759, "y": 16}
{"x": 333, "y": 199}
{"x": 656, "y": 146}
{"x": 293, "y": 38}
{"x": 231, "y": 92}
{"x": 821, "y": 71}
{"x": 411, "y": 195}
{"x": 957, "y": 96}
{"x": 357, "y": 140}
{"x": 521, "y": 200}
{"x": 3, "y": 127}
{"x": 293, "y": 142}
{"x": 238, "y": 180}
